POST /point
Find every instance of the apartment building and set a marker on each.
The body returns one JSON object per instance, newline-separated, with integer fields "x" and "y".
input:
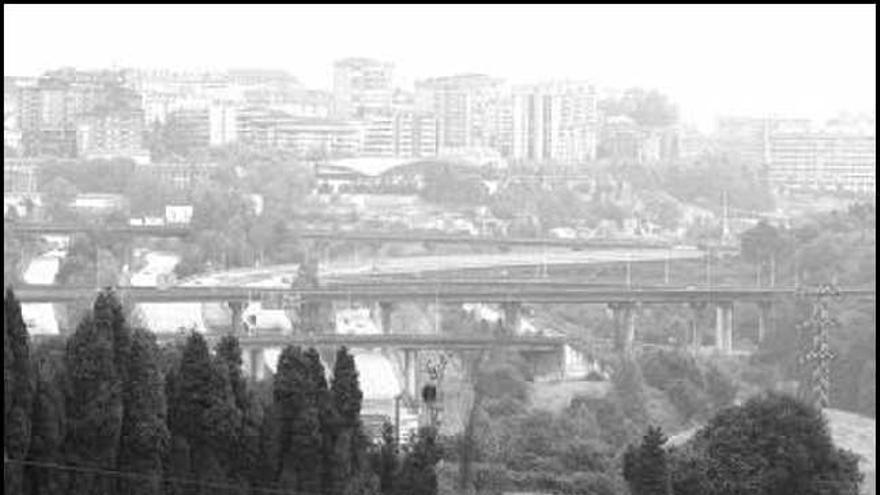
{"x": 555, "y": 121}
{"x": 465, "y": 105}
{"x": 203, "y": 126}
{"x": 400, "y": 134}
{"x": 832, "y": 158}
{"x": 20, "y": 175}
{"x": 361, "y": 86}
{"x": 112, "y": 135}
{"x": 306, "y": 137}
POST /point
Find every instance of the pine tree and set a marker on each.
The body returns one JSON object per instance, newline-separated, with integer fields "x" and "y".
{"x": 145, "y": 436}
{"x": 645, "y": 468}
{"x": 94, "y": 404}
{"x": 17, "y": 393}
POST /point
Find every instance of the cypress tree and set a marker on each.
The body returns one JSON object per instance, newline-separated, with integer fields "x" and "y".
{"x": 300, "y": 449}
{"x": 201, "y": 415}
{"x": 49, "y": 421}
{"x": 385, "y": 462}
{"x": 244, "y": 463}
{"x": 228, "y": 353}
{"x": 95, "y": 406}
{"x": 347, "y": 399}
{"x": 17, "y": 393}
{"x": 145, "y": 436}
{"x": 326, "y": 417}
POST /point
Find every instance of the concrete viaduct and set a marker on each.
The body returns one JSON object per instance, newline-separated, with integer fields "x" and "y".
{"x": 325, "y": 235}
{"x": 622, "y": 301}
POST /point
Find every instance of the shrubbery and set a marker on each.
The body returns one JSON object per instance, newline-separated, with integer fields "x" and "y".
{"x": 692, "y": 390}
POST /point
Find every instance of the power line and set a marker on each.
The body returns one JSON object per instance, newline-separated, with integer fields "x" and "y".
{"x": 159, "y": 476}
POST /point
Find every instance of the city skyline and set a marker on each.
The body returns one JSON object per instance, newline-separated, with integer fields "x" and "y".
{"x": 801, "y": 74}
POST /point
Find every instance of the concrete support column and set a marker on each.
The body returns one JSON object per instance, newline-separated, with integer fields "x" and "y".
{"x": 624, "y": 326}
{"x": 561, "y": 355}
{"x": 257, "y": 363}
{"x": 512, "y": 316}
{"x": 724, "y": 327}
{"x": 410, "y": 373}
{"x": 236, "y": 309}
{"x": 764, "y": 308}
{"x": 385, "y": 309}
{"x": 128, "y": 255}
{"x": 695, "y": 333}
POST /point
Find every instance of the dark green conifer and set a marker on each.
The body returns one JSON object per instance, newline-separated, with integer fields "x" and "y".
{"x": 145, "y": 436}
{"x": 17, "y": 393}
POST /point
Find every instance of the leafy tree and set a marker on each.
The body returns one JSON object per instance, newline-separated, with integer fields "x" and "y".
{"x": 629, "y": 390}
{"x": 771, "y": 444}
{"x": 17, "y": 392}
{"x": 145, "y": 436}
{"x": 60, "y": 194}
{"x": 763, "y": 244}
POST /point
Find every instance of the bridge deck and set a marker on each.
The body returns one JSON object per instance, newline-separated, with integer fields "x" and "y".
{"x": 331, "y": 235}
{"x": 402, "y": 341}
{"x": 397, "y": 292}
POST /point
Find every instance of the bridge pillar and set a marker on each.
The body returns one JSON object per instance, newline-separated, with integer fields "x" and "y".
{"x": 236, "y": 309}
{"x": 128, "y": 254}
{"x": 256, "y": 363}
{"x": 724, "y": 327}
{"x": 512, "y": 316}
{"x": 410, "y": 373}
{"x": 385, "y": 309}
{"x": 764, "y": 308}
{"x": 695, "y": 333}
{"x": 624, "y": 326}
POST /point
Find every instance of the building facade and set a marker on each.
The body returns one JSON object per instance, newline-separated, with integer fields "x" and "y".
{"x": 112, "y": 135}
{"x": 361, "y": 86}
{"x": 464, "y": 106}
{"x": 400, "y": 134}
{"x": 20, "y": 175}
{"x": 833, "y": 158}
{"x": 555, "y": 122}
{"x": 307, "y": 137}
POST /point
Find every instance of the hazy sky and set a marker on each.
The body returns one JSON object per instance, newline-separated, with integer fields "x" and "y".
{"x": 807, "y": 60}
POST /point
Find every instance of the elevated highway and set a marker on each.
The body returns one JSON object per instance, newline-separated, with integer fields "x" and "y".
{"x": 340, "y": 235}
{"x": 478, "y": 292}
{"x": 399, "y": 341}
